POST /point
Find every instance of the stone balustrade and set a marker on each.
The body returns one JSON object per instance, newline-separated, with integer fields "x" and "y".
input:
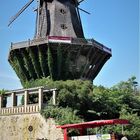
{"x": 20, "y": 109}
{"x": 27, "y": 107}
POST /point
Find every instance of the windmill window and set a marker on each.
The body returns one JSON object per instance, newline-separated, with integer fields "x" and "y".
{"x": 62, "y": 11}
{"x": 63, "y": 26}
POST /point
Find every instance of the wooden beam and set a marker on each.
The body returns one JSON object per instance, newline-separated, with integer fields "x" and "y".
{"x": 87, "y": 63}
{"x": 92, "y": 63}
{"x": 97, "y": 67}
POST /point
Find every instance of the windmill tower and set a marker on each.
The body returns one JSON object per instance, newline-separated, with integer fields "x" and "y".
{"x": 59, "y": 18}
{"x": 59, "y": 48}
{"x": 56, "y": 18}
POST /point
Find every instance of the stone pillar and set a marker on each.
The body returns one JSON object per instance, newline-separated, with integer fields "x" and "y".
{"x": 13, "y": 99}
{"x": 25, "y": 100}
{"x": 40, "y": 98}
{"x": 54, "y": 96}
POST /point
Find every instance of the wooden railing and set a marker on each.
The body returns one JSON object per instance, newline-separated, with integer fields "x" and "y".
{"x": 34, "y": 108}
{"x": 77, "y": 41}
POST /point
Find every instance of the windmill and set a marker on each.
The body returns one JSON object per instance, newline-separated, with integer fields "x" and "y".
{"x": 59, "y": 49}
{"x": 56, "y": 17}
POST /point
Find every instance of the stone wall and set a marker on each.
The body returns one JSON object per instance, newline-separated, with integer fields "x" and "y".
{"x": 28, "y": 127}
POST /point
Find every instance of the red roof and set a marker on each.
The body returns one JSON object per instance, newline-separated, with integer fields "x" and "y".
{"x": 93, "y": 124}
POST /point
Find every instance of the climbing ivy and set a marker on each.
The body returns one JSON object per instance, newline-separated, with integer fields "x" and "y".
{"x": 28, "y": 64}
{"x": 66, "y": 64}
{"x": 61, "y": 115}
{"x": 15, "y": 65}
{"x": 59, "y": 62}
{"x": 36, "y": 64}
{"x": 50, "y": 62}
{"x": 43, "y": 60}
{"x": 12, "y": 61}
{"x": 21, "y": 65}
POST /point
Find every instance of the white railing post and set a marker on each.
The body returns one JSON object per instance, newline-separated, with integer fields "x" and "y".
{"x": 40, "y": 97}
{"x": 54, "y": 96}
{"x": 25, "y": 100}
{"x": 13, "y": 99}
{"x": 0, "y": 103}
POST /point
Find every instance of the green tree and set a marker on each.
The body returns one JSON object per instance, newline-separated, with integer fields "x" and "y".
{"x": 2, "y": 91}
{"x": 107, "y": 102}
{"x": 61, "y": 115}
{"x": 87, "y": 102}
{"x": 133, "y": 129}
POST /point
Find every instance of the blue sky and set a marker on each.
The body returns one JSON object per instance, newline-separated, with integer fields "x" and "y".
{"x": 114, "y": 23}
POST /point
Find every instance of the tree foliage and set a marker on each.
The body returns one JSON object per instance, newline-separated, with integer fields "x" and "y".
{"x": 120, "y": 101}
{"x": 2, "y": 91}
{"x": 108, "y": 102}
{"x": 132, "y": 130}
{"x": 87, "y": 102}
{"x": 61, "y": 115}
{"x": 75, "y": 94}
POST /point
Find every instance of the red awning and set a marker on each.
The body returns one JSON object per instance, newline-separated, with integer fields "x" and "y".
{"x": 94, "y": 124}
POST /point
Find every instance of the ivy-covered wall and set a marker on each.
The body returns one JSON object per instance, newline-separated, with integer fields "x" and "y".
{"x": 57, "y": 62}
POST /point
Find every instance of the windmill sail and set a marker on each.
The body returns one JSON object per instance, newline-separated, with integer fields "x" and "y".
{"x": 79, "y": 1}
{"x": 84, "y": 10}
{"x": 22, "y": 10}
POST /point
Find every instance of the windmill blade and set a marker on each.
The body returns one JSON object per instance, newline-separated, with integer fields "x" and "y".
{"x": 22, "y": 10}
{"x": 79, "y": 1}
{"x": 84, "y": 11}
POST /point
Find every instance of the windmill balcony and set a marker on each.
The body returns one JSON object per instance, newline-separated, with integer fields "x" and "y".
{"x": 61, "y": 58}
